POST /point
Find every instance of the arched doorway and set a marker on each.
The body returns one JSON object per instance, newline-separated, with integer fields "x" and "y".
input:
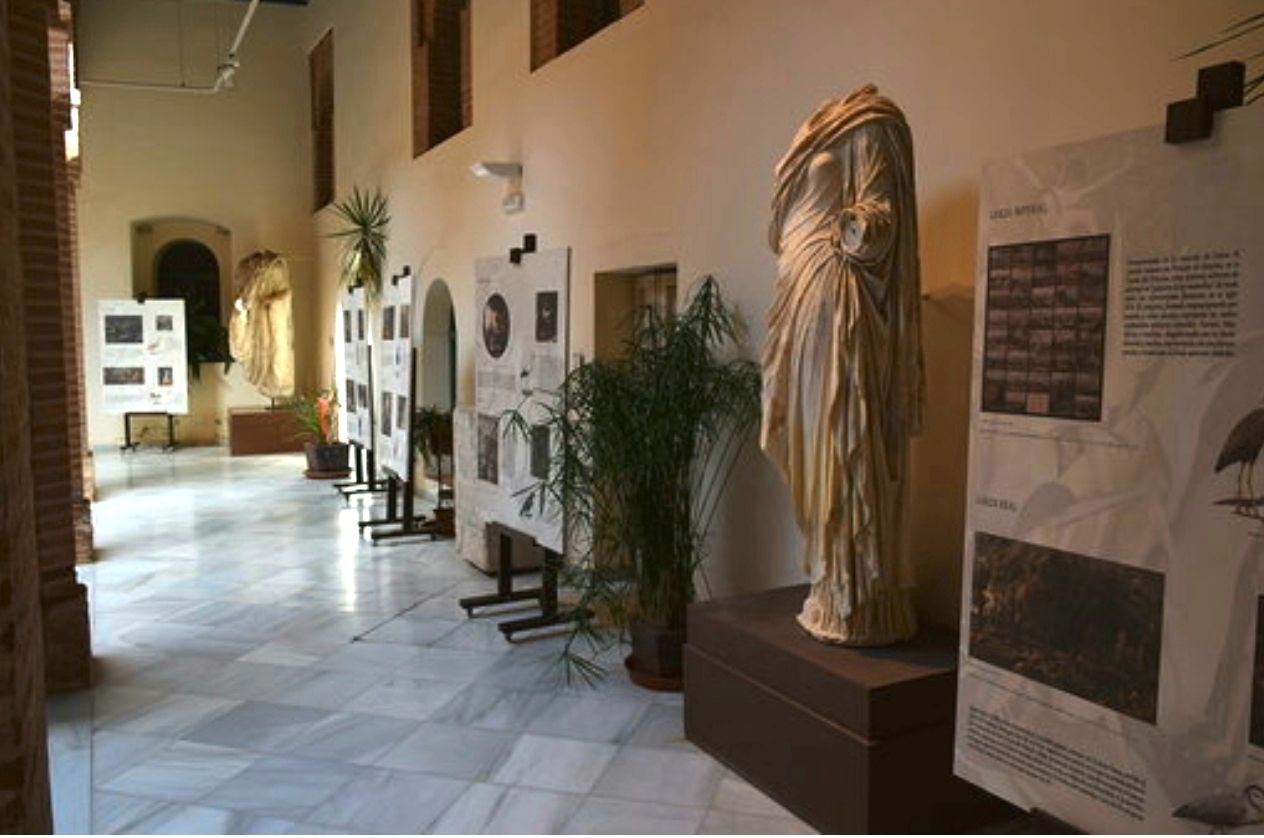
{"x": 438, "y": 352}
{"x": 436, "y": 387}
{"x": 188, "y": 270}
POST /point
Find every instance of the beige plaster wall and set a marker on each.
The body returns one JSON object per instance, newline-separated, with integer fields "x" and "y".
{"x": 654, "y": 142}
{"x": 238, "y": 160}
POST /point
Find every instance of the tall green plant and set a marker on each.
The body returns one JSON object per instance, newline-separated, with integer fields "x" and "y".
{"x": 643, "y": 448}
{"x": 363, "y": 239}
{"x": 432, "y": 434}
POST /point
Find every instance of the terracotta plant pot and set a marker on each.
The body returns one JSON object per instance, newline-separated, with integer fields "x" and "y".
{"x": 656, "y": 661}
{"x": 327, "y": 459}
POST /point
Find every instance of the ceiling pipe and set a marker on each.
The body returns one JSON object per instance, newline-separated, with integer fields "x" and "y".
{"x": 226, "y": 70}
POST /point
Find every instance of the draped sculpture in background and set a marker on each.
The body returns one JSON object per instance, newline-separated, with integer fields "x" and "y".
{"x": 261, "y": 331}
{"x": 843, "y": 374}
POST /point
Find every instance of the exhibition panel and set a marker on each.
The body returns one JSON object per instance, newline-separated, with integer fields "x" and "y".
{"x": 357, "y": 402}
{"x": 522, "y": 335}
{"x": 1114, "y": 540}
{"x": 144, "y": 359}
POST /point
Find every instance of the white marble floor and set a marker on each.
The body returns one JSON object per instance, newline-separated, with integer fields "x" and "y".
{"x": 263, "y": 670}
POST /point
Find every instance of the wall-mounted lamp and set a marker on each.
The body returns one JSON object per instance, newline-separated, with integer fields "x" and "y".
{"x": 512, "y": 172}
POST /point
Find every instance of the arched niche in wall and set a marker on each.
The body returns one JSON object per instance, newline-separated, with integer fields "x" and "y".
{"x": 178, "y": 248}
{"x": 188, "y": 270}
{"x": 171, "y": 256}
{"x": 437, "y": 370}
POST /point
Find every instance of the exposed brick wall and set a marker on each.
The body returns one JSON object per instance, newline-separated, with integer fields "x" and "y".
{"x": 48, "y": 292}
{"x": 24, "y": 792}
{"x": 559, "y": 25}
{"x": 441, "y": 84}
{"x": 59, "y": 39}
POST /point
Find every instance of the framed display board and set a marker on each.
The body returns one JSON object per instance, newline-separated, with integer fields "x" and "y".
{"x": 522, "y": 335}
{"x": 357, "y": 390}
{"x": 144, "y": 359}
{"x": 1112, "y": 655}
{"x": 395, "y": 376}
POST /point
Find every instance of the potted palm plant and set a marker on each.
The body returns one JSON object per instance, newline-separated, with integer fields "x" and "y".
{"x": 643, "y": 449}
{"x": 363, "y": 239}
{"x": 318, "y": 417}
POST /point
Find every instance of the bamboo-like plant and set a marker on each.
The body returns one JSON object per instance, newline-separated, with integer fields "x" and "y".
{"x": 432, "y": 434}
{"x": 363, "y": 239}
{"x": 643, "y": 448}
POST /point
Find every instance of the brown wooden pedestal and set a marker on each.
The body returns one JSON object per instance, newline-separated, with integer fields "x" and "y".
{"x": 848, "y": 740}
{"x": 259, "y": 430}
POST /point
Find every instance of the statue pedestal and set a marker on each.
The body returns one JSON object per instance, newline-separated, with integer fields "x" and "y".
{"x": 258, "y": 430}
{"x": 849, "y": 740}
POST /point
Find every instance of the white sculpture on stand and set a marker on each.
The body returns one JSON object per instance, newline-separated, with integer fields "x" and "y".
{"x": 261, "y": 331}
{"x": 843, "y": 376}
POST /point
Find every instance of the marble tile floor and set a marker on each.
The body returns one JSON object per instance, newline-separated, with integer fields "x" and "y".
{"x": 261, "y": 669}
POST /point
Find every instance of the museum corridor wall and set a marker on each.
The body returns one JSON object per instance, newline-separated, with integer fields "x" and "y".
{"x": 652, "y": 142}
{"x": 237, "y": 160}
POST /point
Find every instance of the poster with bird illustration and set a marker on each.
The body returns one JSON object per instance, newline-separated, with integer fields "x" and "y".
{"x": 1112, "y": 643}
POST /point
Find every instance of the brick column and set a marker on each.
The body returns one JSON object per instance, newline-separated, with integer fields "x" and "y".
{"x": 48, "y": 294}
{"x": 24, "y": 793}
{"x": 60, "y": 37}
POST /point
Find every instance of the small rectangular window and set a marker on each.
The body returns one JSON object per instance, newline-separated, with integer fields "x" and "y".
{"x": 441, "y": 71}
{"x": 321, "y": 70}
{"x": 560, "y": 25}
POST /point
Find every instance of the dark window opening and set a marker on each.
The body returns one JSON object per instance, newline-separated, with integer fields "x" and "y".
{"x": 560, "y": 25}
{"x": 441, "y": 86}
{"x": 321, "y": 73}
{"x": 188, "y": 270}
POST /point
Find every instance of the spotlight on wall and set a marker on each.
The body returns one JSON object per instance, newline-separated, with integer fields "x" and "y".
{"x": 512, "y": 172}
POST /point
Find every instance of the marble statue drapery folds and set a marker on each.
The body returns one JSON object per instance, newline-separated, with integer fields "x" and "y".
{"x": 261, "y": 331}
{"x": 843, "y": 374}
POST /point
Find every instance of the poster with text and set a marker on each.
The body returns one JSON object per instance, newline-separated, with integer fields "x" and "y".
{"x": 1111, "y": 601}
{"x": 521, "y": 360}
{"x": 395, "y": 376}
{"x": 355, "y": 393}
{"x": 144, "y": 360}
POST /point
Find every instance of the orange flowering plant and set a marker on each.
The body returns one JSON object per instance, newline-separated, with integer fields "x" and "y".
{"x": 318, "y": 415}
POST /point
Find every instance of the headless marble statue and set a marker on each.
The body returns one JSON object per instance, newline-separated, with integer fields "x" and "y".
{"x": 261, "y": 331}
{"x": 843, "y": 376}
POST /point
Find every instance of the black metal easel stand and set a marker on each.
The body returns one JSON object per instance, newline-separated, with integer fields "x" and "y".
{"x": 131, "y": 445}
{"x": 400, "y": 513}
{"x": 546, "y": 594}
{"x": 364, "y": 465}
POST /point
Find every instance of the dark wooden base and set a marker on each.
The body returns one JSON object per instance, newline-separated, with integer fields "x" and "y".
{"x": 337, "y": 474}
{"x": 849, "y": 740}
{"x": 262, "y": 431}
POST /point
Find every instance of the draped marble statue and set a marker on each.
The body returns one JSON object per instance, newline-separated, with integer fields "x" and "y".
{"x": 261, "y": 331}
{"x": 843, "y": 377}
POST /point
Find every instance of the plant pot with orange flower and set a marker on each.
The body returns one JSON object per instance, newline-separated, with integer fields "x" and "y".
{"x": 318, "y": 417}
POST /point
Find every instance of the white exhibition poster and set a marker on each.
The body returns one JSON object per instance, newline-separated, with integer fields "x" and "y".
{"x": 395, "y": 376}
{"x": 1112, "y": 649}
{"x": 520, "y": 363}
{"x": 356, "y": 396}
{"x": 144, "y": 359}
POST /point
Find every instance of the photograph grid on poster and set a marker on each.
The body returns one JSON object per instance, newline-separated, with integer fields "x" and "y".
{"x": 1044, "y": 342}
